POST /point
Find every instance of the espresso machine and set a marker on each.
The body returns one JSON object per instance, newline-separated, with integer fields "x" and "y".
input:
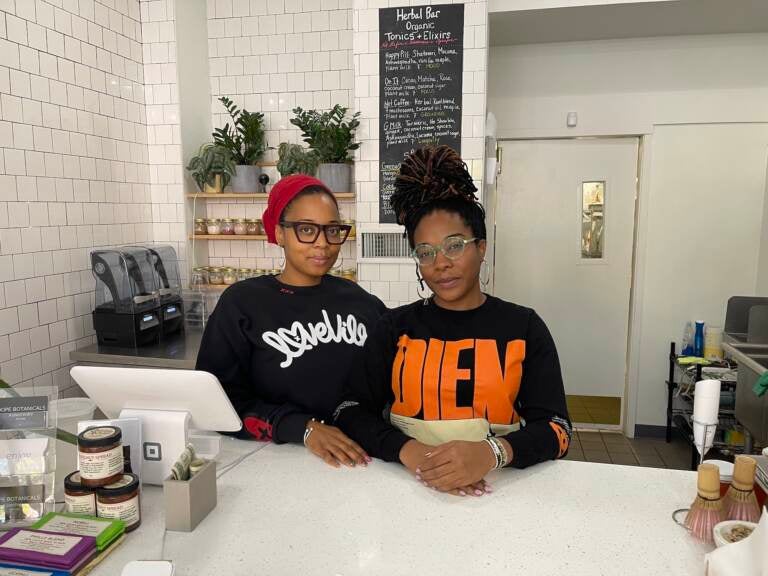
{"x": 127, "y": 312}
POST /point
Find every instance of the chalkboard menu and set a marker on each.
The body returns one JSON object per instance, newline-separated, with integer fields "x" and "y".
{"x": 420, "y": 65}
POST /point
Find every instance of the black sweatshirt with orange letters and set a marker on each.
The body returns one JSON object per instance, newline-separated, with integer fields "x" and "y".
{"x": 438, "y": 375}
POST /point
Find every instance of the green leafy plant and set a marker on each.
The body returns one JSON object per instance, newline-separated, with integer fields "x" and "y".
{"x": 245, "y": 137}
{"x": 212, "y": 160}
{"x": 328, "y": 133}
{"x": 295, "y": 159}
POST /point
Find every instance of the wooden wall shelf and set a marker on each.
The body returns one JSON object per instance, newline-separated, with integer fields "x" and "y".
{"x": 201, "y": 195}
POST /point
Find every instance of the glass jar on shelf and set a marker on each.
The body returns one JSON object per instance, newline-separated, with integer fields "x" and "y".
{"x": 200, "y": 226}
{"x": 252, "y": 227}
{"x": 199, "y": 277}
{"x": 243, "y": 274}
{"x": 227, "y": 226}
{"x": 229, "y": 276}
{"x": 213, "y": 226}
{"x": 260, "y": 228}
{"x": 215, "y": 276}
{"x": 256, "y": 272}
{"x": 241, "y": 228}
{"x": 275, "y": 271}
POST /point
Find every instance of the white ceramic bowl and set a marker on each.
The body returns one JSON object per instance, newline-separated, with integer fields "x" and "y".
{"x": 723, "y": 528}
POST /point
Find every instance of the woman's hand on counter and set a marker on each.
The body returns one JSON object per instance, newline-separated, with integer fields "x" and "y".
{"x": 457, "y": 466}
{"x": 335, "y": 447}
{"x": 413, "y": 454}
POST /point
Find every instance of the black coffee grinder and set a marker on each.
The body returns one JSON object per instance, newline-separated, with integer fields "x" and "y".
{"x": 127, "y": 312}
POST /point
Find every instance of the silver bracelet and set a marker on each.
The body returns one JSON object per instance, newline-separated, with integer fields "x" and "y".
{"x": 499, "y": 451}
{"x": 308, "y": 430}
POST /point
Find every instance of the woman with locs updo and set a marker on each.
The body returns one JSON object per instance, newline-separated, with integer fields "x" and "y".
{"x": 460, "y": 383}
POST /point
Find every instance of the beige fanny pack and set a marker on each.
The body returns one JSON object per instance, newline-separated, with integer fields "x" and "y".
{"x": 434, "y": 432}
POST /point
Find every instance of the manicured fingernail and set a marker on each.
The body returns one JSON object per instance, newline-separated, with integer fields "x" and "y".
{"x": 418, "y": 477}
{"x": 368, "y": 459}
{"x": 428, "y": 454}
{"x": 418, "y": 470}
{"x": 425, "y": 484}
{"x": 488, "y": 488}
{"x": 463, "y": 493}
{"x": 478, "y": 492}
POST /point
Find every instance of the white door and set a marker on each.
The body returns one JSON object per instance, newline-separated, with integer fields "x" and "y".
{"x": 565, "y": 219}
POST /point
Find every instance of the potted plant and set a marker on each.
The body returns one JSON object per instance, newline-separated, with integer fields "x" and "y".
{"x": 246, "y": 140}
{"x": 332, "y": 137}
{"x": 212, "y": 168}
{"x": 295, "y": 159}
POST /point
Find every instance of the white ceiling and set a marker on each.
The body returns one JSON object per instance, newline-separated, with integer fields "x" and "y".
{"x": 627, "y": 20}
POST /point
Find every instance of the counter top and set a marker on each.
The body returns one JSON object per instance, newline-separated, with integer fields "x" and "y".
{"x": 282, "y": 511}
{"x": 178, "y": 352}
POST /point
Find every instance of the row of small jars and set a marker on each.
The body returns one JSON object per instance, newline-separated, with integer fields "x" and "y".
{"x": 225, "y": 275}
{"x": 234, "y": 226}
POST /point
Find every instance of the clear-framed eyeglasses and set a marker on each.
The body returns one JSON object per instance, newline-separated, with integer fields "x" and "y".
{"x": 452, "y": 248}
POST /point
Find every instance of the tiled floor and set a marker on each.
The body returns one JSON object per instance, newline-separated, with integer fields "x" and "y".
{"x": 594, "y": 409}
{"x": 615, "y": 448}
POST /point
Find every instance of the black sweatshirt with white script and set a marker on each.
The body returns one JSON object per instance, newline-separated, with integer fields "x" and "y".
{"x": 438, "y": 375}
{"x": 284, "y": 353}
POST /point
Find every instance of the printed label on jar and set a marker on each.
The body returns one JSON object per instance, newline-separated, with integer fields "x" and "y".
{"x": 127, "y": 511}
{"x": 81, "y": 504}
{"x": 98, "y": 465}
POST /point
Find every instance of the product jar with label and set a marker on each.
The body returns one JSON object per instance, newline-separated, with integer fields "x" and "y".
{"x": 252, "y": 227}
{"x": 213, "y": 226}
{"x": 100, "y": 453}
{"x": 227, "y": 226}
{"x": 121, "y": 500}
{"x": 229, "y": 276}
{"x": 243, "y": 274}
{"x": 199, "y": 276}
{"x": 200, "y": 227}
{"x": 241, "y": 227}
{"x": 78, "y": 499}
{"x": 215, "y": 276}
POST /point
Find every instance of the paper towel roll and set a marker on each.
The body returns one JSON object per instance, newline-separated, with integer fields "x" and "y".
{"x": 706, "y": 401}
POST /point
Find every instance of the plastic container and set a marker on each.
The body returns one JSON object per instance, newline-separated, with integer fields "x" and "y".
{"x": 713, "y": 343}
{"x": 698, "y": 339}
{"x": 70, "y": 411}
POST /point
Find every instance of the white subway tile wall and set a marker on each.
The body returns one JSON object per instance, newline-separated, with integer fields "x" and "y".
{"x": 79, "y": 166}
{"x": 90, "y": 151}
{"x": 396, "y": 284}
{"x": 271, "y": 56}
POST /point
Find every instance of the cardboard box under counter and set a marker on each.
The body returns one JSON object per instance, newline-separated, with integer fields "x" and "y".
{"x": 188, "y": 502}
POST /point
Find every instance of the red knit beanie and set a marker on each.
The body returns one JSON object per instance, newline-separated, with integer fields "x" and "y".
{"x": 281, "y": 195}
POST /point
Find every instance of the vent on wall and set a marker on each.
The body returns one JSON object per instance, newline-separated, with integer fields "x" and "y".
{"x": 385, "y": 245}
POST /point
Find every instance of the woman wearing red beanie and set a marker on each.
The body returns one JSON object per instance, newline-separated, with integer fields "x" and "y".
{"x": 284, "y": 346}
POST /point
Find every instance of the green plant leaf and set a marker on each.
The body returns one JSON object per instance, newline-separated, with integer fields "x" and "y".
{"x": 328, "y": 133}
{"x": 245, "y": 138}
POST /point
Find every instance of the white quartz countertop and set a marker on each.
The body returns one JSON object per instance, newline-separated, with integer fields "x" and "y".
{"x": 282, "y": 511}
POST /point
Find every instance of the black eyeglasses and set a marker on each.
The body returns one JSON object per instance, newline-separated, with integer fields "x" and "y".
{"x": 452, "y": 247}
{"x": 309, "y": 232}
